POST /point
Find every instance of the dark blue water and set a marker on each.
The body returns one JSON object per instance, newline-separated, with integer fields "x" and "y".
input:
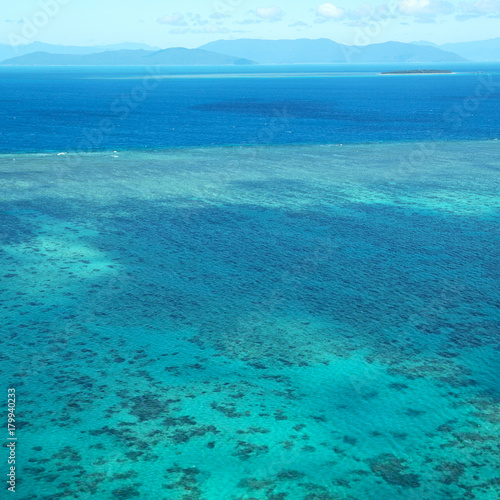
{"x": 80, "y": 109}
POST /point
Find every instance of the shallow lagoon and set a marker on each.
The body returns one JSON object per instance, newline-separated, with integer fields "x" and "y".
{"x": 286, "y": 322}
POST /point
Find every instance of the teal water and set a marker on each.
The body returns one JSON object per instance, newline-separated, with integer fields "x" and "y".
{"x": 271, "y": 323}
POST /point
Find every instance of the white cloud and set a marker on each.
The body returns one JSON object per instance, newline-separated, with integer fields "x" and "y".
{"x": 481, "y": 7}
{"x": 412, "y": 7}
{"x": 425, "y": 8}
{"x": 273, "y": 12}
{"x": 364, "y": 10}
{"x": 176, "y": 19}
{"x": 330, "y": 11}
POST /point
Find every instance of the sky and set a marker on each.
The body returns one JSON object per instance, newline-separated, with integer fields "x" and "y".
{"x": 191, "y": 23}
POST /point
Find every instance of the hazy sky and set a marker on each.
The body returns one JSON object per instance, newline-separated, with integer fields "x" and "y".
{"x": 191, "y": 23}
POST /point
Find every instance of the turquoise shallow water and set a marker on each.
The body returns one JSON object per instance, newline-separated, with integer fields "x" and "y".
{"x": 270, "y": 323}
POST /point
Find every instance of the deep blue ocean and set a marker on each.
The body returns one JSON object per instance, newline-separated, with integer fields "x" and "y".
{"x": 62, "y": 109}
{"x": 264, "y": 283}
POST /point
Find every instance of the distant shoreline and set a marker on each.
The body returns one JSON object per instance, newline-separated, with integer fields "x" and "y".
{"x": 419, "y": 72}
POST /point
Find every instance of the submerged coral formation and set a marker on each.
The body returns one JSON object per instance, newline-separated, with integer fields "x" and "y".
{"x": 310, "y": 326}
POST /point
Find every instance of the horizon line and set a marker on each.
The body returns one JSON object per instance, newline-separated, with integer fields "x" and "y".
{"x": 244, "y": 38}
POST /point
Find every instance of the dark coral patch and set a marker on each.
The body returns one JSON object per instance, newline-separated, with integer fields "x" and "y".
{"x": 392, "y": 470}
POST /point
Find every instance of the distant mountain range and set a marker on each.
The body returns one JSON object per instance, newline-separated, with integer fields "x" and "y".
{"x": 249, "y": 51}
{"x": 324, "y": 51}
{"x": 486, "y": 50}
{"x": 167, "y": 57}
{"x": 8, "y": 51}
{"x": 423, "y": 42}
